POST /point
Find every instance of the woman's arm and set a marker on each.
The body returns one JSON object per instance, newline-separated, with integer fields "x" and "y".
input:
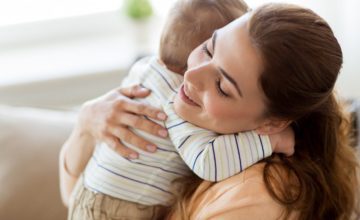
{"x": 107, "y": 119}
{"x": 74, "y": 156}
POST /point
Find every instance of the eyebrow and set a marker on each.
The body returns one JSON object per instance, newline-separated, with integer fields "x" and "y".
{"x": 222, "y": 71}
{"x": 228, "y": 77}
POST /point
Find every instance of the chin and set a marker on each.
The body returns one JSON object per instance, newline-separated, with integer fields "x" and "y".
{"x": 180, "y": 109}
{"x": 187, "y": 113}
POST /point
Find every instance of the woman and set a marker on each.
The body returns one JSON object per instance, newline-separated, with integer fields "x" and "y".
{"x": 286, "y": 61}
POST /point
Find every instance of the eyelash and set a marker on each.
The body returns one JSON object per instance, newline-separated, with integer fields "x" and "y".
{"x": 218, "y": 87}
{"x": 205, "y": 50}
{"x": 218, "y": 82}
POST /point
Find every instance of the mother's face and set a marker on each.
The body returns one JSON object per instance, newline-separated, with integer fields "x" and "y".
{"x": 221, "y": 90}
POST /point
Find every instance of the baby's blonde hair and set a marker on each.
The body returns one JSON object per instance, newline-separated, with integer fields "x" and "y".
{"x": 191, "y": 22}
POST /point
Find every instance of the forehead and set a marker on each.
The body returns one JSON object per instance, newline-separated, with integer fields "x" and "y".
{"x": 236, "y": 54}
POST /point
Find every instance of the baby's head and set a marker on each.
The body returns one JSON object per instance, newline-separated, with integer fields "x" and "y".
{"x": 191, "y": 22}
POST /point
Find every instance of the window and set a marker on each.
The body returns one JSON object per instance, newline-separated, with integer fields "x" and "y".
{"x": 52, "y": 38}
{"x": 20, "y": 11}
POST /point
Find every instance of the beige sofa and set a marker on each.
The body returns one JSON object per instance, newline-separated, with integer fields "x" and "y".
{"x": 31, "y": 138}
{"x": 30, "y": 142}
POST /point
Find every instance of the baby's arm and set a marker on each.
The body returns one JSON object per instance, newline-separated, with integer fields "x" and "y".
{"x": 211, "y": 156}
{"x": 283, "y": 142}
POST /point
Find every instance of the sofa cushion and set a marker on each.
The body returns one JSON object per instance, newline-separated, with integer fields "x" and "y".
{"x": 30, "y": 141}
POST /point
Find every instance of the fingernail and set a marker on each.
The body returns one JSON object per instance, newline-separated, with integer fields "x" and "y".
{"x": 161, "y": 116}
{"x": 163, "y": 133}
{"x": 151, "y": 148}
{"x": 133, "y": 156}
{"x": 141, "y": 89}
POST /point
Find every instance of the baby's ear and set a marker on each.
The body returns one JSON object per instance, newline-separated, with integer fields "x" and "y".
{"x": 272, "y": 126}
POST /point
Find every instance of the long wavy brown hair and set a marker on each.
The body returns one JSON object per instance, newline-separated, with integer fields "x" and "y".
{"x": 302, "y": 60}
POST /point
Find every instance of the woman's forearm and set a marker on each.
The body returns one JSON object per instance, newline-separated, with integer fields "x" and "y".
{"x": 74, "y": 156}
{"x": 78, "y": 150}
{"x": 106, "y": 119}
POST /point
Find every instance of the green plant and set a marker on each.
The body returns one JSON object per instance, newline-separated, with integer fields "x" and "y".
{"x": 138, "y": 9}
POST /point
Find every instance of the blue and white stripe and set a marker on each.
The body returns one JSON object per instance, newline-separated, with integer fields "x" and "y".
{"x": 147, "y": 180}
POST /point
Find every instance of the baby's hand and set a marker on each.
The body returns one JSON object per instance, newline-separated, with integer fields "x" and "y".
{"x": 283, "y": 142}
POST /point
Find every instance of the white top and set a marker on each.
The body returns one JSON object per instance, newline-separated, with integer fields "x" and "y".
{"x": 147, "y": 180}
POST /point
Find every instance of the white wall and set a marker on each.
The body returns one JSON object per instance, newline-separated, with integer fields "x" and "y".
{"x": 104, "y": 42}
{"x": 349, "y": 36}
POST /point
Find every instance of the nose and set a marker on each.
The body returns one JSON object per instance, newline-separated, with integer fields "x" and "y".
{"x": 197, "y": 77}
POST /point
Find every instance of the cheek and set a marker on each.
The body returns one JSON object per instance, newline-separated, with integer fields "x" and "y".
{"x": 218, "y": 109}
{"x": 226, "y": 111}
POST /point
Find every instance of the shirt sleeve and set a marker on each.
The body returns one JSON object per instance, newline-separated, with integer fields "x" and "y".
{"x": 211, "y": 156}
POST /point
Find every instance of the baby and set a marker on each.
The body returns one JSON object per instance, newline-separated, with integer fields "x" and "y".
{"x": 141, "y": 188}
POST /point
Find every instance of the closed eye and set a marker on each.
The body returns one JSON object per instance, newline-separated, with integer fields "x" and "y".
{"x": 206, "y": 50}
{"x": 219, "y": 89}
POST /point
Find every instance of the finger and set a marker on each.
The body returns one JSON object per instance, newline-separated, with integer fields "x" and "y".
{"x": 115, "y": 144}
{"x": 124, "y": 134}
{"x": 136, "y": 91}
{"x": 141, "y": 123}
{"x": 142, "y": 109}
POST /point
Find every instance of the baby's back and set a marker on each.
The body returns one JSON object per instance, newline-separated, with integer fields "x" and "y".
{"x": 146, "y": 180}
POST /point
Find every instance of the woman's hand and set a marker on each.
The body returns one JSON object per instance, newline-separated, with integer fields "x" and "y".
{"x": 108, "y": 117}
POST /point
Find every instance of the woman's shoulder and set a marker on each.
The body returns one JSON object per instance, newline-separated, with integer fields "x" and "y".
{"x": 244, "y": 195}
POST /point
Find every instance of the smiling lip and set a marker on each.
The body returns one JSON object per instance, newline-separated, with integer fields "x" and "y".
{"x": 186, "y": 98}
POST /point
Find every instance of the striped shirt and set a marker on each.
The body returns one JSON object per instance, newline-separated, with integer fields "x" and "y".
{"x": 147, "y": 180}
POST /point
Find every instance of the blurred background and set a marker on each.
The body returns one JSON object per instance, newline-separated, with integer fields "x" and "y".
{"x": 54, "y": 55}
{"x": 47, "y": 40}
